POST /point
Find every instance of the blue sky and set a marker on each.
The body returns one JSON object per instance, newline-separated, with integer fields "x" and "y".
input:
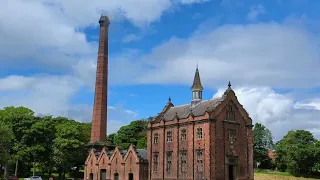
{"x": 268, "y": 49}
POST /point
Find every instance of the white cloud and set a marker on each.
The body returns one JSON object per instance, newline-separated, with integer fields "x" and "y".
{"x": 48, "y": 33}
{"x": 42, "y": 93}
{"x": 255, "y": 11}
{"x": 311, "y": 104}
{"x": 52, "y": 95}
{"x": 279, "y": 112}
{"x": 267, "y": 54}
{"x": 14, "y": 82}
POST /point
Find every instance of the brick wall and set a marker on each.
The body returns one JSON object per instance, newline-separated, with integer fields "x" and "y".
{"x": 91, "y": 166}
{"x": 215, "y": 144}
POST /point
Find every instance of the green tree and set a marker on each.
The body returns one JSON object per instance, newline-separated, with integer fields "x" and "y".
{"x": 298, "y": 153}
{"x": 40, "y": 141}
{"x": 86, "y": 131}
{"x": 262, "y": 142}
{"x": 6, "y": 137}
{"x": 131, "y": 134}
{"x": 142, "y": 143}
{"x": 68, "y": 146}
{"x": 20, "y": 120}
{"x": 111, "y": 137}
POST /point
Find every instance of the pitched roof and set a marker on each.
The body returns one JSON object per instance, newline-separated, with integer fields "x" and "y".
{"x": 142, "y": 153}
{"x": 170, "y": 112}
{"x": 184, "y": 111}
{"x": 197, "y": 82}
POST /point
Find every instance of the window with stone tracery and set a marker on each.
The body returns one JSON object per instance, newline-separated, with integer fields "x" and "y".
{"x": 232, "y": 135}
{"x": 183, "y": 134}
{"x": 230, "y": 115}
{"x": 183, "y": 161}
{"x": 155, "y": 162}
{"x": 156, "y": 138}
{"x": 169, "y": 136}
{"x": 169, "y": 162}
{"x": 200, "y": 160}
{"x": 199, "y": 133}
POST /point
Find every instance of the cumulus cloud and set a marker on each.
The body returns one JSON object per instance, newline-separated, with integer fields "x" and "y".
{"x": 278, "y": 55}
{"x": 279, "y": 112}
{"x": 48, "y": 33}
{"x": 53, "y": 95}
{"x": 42, "y": 93}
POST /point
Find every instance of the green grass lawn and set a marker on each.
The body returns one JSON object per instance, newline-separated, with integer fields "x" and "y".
{"x": 276, "y": 175}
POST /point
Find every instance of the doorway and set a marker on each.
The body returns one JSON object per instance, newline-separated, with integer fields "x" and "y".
{"x": 116, "y": 176}
{"x": 91, "y": 176}
{"x": 103, "y": 173}
{"x": 231, "y": 173}
{"x": 130, "y": 176}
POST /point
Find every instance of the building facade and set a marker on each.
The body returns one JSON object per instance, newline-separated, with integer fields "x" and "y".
{"x": 206, "y": 139}
{"x": 117, "y": 164}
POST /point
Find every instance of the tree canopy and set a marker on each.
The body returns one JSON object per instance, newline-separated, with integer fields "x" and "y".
{"x": 298, "y": 152}
{"x": 262, "y": 142}
{"x": 134, "y": 133}
{"x": 45, "y": 143}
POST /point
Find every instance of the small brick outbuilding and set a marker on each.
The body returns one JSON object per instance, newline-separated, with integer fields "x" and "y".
{"x": 117, "y": 164}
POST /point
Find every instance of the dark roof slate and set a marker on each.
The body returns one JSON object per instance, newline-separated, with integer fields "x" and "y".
{"x": 201, "y": 108}
{"x": 142, "y": 153}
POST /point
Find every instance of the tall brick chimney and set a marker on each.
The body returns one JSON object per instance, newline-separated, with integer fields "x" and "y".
{"x": 99, "y": 115}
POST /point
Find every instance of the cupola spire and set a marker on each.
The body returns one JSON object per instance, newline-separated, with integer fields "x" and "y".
{"x": 196, "y": 88}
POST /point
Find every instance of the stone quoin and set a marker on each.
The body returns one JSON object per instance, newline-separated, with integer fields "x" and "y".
{"x": 205, "y": 139}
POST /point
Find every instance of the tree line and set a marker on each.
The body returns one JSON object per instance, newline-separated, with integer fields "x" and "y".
{"x": 31, "y": 144}
{"x": 298, "y": 152}
{"x": 44, "y": 144}
{"x": 47, "y": 145}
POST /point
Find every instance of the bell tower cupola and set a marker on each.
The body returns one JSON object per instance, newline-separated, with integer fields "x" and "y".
{"x": 196, "y": 88}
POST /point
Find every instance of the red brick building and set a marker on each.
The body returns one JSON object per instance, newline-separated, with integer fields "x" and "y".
{"x": 206, "y": 139}
{"x": 117, "y": 164}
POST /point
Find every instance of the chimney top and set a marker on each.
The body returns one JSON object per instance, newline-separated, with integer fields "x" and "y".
{"x": 104, "y": 20}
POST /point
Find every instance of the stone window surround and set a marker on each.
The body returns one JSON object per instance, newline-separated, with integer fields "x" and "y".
{"x": 184, "y": 161}
{"x": 155, "y": 161}
{"x": 199, "y": 133}
{"x": 156, "y": 138}
{"x": 183, "y": 134}
{"x": 169, "y": 136}
{"x": 168, "y": 162}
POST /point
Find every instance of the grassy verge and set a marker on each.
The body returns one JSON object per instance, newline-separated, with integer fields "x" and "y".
{"x": 276, "y": 175}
